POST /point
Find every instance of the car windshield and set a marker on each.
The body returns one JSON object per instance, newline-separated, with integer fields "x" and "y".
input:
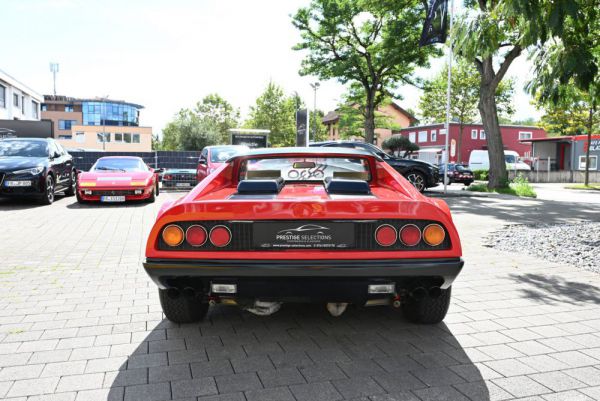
{"x": 118, "y": 164}
{"x": 305, "y": 168}
{"x": 23, "y": 149}
{"x": 222, "y": 153}
{"x": 510, "y": 158}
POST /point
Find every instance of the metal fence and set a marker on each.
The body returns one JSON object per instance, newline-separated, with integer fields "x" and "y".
{"x": 556, "y": 176}
{"x": 180, "y": 167}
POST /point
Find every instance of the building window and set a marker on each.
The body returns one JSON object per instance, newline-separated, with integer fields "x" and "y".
{"x": 23, "y": 104}
{"x": 34, "y": 109}
{"x": 15, "y": 100}
{"x": 79, "y": 137}
{"x": 136, "y": 138}
{"x": 65, "y": 137}
{"x": 473, "y": 134}
{"x": 2, "y": 96}
{"x": 433, "y": 135}
{"x": 66, "y": 124}
{"x": 412, "y": 136}
{"x": 443, "y": 131}
{"x": 118, "y": 137}
{"x": 69, "y": 108}
{"x": 103, "y": 137}
{"x": 593, "y": 162}
{"x": 422, "y": 136}
{"x": 482, "y": 134}
{"x": 44, "y": 107}
{"x": 127, "y": 138}
{"x": 523, "y": 135}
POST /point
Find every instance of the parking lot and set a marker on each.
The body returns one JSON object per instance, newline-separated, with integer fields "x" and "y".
{"x": 80, "y": 320}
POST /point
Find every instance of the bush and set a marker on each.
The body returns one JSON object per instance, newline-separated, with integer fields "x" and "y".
{"x": 480, "y": 175}
{"x": 518, "y": 187}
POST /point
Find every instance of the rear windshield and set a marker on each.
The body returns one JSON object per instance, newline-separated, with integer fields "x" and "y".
{"x": 305, "y": 168}
{"x": 461, "y": 168}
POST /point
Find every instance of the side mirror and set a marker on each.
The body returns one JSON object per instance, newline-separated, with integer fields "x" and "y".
{"x": 159, "y": 170}
{"x": 202, "y": 160}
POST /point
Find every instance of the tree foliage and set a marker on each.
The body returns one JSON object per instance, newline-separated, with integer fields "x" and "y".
{"x": 275, "y": 111}
{"x": 373, "y": 43}
{"x": 220, "y": 112}
{"x": 399, "y": 143}
{"x": 570, "y": 115}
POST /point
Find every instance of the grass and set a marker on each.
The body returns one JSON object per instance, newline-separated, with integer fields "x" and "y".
{"x": 591, "y": 187}
{"x": 518, "y": 187}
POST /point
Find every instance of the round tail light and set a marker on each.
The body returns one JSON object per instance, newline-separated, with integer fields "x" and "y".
{"x": 434, "y": 234}
{"x": 196, "y": 235}
{"x": 173, "y": 235}
{"x": 410, "y": 235}
{"x": 220, "y": 236}
{"x": 386, "y": 235}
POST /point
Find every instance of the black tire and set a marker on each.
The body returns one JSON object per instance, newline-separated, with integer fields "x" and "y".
{"x": 428, "y": 310}
{"x": 181, "y": 309}
{"x": 72, "y": 190}
{"x": 49, "y": 188}
{"x": 417, "y": 179}
{"x": 157, "y": 189}
{"x": 152, "y": 197}
{"x": 467, "y": 183}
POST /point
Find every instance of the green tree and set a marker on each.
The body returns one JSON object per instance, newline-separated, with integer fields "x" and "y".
{"x": 491, "y": 35}
{"x": 275, "y": 111}
{"x": 220, "y": 112}
{"x": 372, "y": 43}
{"x": 188, "y": 131}
{"x": 321, "y": 133}
{"x": 464, "y": 98}
{"x": 570, "y": 116}
{"x": 399, "y": 143}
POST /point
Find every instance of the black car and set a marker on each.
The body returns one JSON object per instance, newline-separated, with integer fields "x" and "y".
{"x": 35, "y": 167}
{"x": 180, "y": 178}
{"x": 421, "y": 174}
{"x": 458, "y": 173}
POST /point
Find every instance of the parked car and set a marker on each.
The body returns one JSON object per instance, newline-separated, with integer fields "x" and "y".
{"x": 421, "y": 174}
{"x": 457, "y": 173}
{"x": 35, "y": 167}
{"x": 118, "y": 179}
{"x": 178, "y": 178}
{"x": 212, "y": 157}
{"x": 480, "y": 160}
{"x": 327, "y": 225}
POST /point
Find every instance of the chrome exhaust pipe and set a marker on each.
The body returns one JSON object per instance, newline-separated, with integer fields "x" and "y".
{"x": 419, "y": 293}
{"x": 435, "y": 292}
{"x": 173, "y": 293}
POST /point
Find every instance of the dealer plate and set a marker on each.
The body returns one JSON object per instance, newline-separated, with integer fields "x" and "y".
{"x": 303, "y": 235}
{"x": 112, "y": 199}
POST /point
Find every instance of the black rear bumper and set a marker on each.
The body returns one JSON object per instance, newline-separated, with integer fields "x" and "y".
{"x": 440, "y": 272}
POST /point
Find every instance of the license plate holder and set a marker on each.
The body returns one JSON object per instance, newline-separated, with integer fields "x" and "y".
{"x": 109, "y": 199}
{"x": 303, "y": 235}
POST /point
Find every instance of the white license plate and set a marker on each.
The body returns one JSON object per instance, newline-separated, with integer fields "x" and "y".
{"x": 112, "y": 199}
{"x": 182, "y": 184}
{"x": 17, "y": 183}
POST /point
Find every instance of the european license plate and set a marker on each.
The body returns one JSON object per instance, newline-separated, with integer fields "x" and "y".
{"x": 182, "y": 184}
{"x": 303, "y": 235}
{"x": 17, "y": 183}
{"x": 112, "y": 199}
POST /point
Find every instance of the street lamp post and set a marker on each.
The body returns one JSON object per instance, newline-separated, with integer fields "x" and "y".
{"x": 315, "y": 86}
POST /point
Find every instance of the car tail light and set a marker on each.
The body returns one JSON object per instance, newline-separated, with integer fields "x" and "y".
{"x": 167, "y": 177}
{"x": 434, "y": 234}
{"x": 220, "y": 236}
{"x": 173, "y": 235}
{"x": 410, "y": 235}
{"x": 196, "y": 235}
{"x": 386, "y": 235}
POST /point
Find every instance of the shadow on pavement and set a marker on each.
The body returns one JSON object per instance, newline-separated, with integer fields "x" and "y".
{"x": 523, "y": 211}
{"x": 99, "y": 205}
{"x": 300, "y": 353}
{"x": 555, "y": 289}
{"x": 16, "y": 203}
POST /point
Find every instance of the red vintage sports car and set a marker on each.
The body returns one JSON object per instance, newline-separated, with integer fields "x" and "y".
{"x": 327, "y": 225}
{"x": 118, "y": 179}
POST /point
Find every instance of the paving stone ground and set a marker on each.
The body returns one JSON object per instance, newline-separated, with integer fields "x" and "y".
{"x": 79, "y": 320}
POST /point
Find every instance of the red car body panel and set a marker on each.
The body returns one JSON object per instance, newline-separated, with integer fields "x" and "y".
{"x": 394, "y": 198}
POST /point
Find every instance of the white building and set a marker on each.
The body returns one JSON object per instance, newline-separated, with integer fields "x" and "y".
{"x": 17, "y": 100}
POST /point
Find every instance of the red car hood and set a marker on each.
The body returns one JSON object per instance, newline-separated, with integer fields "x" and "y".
{"x": 116, "y": 179}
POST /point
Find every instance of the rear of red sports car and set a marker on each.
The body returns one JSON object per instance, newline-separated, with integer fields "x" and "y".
{"x": 328, "y": 225}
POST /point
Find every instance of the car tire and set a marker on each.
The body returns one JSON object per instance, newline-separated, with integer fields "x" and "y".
{"x": 467, "y": 183}
{"x": 152, "y": 197}
{"x": 417, "y": 179}
{"x": 157, "y": 189}
{"x": 72, "y": 190}
{"x": 182, "y": 309}
{"x": 49, "y": 188}
{"x": 428, "y": 310}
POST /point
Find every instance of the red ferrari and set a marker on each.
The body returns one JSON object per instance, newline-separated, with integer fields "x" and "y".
{"x": 328, "y": 225}
{"x": 118, "y": 179}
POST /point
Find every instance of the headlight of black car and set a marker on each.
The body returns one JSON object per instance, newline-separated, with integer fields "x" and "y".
{"x": 29, "y": 171}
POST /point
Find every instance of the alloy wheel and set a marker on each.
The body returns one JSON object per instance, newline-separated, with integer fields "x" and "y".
{"x": 50, "y": 189}
{"x": 417, "y": 181}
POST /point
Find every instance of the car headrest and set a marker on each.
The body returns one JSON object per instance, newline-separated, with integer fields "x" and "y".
{"x": 349, "y": 187}
{"x": 253, "y": 187}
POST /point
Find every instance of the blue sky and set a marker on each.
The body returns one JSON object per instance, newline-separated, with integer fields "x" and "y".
{"x": 169, "y": 54}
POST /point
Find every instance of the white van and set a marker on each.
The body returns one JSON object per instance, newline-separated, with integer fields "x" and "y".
{"x": 480, "y": 160}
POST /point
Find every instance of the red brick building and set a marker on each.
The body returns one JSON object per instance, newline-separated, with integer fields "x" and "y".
{"x": 431, "y": 139}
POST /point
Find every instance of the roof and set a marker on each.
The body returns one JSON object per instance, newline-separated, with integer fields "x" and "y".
{"x": 478, "y": 124}
{"x": 565, "y": 138}
{"x": 330, "y": 117}
{"x": 120, "y": 157}
{"x": 333, "y": 116}
{"x": 66, "y": 99}
{"x": 315, "y": 151}
{"x": 20, "y": 86}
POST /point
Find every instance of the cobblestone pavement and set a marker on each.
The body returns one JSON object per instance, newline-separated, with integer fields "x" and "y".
{"x": 79, "y": 320}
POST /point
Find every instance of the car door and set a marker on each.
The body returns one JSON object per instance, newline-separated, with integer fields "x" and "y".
{"x": 202, "y": 170}
{"x": 66, "y": 162}
{"x": 56, "y": 164}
